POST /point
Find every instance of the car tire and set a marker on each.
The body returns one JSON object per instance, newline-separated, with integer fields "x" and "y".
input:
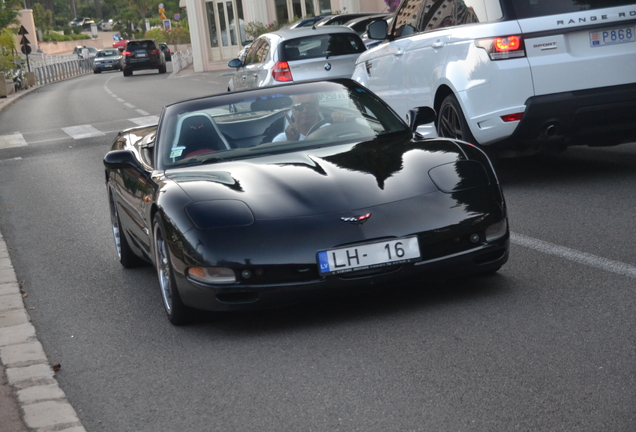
{"x": 451, "y": 122}
{"x": 97, "y": 71}
{"x": 127, "y": 257}
{"x": 176, "y": 311}
{"x": 162, "y": 69}
{"x": 127, "y": 72}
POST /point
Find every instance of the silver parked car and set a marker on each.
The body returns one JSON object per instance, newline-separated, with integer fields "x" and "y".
{"x": 106, "y": 60}
{"x": 294, "y": 55}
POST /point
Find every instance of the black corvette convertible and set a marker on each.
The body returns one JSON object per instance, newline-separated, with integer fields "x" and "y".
{"x": 246, "y": 199}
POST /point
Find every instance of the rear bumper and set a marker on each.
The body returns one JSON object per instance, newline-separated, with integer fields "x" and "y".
{"x": 143, "y": 65}
{"x": 598, "y": 117}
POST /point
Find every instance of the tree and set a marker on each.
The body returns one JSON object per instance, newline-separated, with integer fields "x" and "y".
{"x": 8, "y": 12}
{"x": 42, "y": 18}
{"x": 142, "y": 6}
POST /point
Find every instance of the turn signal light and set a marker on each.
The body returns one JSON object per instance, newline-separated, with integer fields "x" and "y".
{"x": 281, "y": 72}
{"x": 212, "y": 275}
{"x": 502, "y": 48}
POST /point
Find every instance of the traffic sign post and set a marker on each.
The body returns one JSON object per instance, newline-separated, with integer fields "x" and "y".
{"x": 25, "y": 46}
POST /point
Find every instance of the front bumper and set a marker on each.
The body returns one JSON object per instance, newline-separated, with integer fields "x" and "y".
{"x": 483, "y": 258}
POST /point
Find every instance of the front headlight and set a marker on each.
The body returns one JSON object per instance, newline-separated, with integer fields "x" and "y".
{"x": 498, "y": 230}
{"x": 212, "y": 275}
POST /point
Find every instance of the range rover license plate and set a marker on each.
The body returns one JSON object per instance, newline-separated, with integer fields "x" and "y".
{"x": 368, "y": 256}
{"x": 612, "y": 37}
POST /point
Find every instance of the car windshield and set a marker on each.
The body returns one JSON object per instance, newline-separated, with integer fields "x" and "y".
{"x": 272, "y": 120}
{"x": 107, "y": 53}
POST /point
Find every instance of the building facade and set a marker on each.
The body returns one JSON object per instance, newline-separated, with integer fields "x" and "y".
{"x": 217, "y": 27}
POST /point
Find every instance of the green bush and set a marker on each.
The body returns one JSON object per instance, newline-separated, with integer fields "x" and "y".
{"x": 157, "y": 34}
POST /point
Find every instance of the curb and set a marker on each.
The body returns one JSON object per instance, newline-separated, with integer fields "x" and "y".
{"x": 43, "y": 403}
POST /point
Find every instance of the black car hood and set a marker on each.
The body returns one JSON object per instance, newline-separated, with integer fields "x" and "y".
{"x": 323, "y": 180}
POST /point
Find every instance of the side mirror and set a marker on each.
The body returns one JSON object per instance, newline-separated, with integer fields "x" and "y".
{"x": 420, "y": 116}
{"x": 378, "y": 30}
{"x": 235, "y": 63}
{"x": 121, "y": 159}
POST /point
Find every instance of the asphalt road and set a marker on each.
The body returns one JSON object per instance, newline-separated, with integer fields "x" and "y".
{"x": 547, "y": 344}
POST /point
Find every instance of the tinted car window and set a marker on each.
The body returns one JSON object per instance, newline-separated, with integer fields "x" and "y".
{"x": 138, "y": 45}
{"x": 537, "y": 8}
{"x": 426, "y": 15}
{"x": 258, "y": 52}
{"x": 321, "y": 46}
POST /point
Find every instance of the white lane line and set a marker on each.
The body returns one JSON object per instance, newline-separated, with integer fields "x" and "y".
{"x": 83, "y": 131}
{"x": 12, "y": 140}
{"x": 129, "y": 105}
{"x": 574, "y": 255}
{"x": 120, "y": 99}
{"x": 142, "y": 112}
{"x": 145, "y": 121}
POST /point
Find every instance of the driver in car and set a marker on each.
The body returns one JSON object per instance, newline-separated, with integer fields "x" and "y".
{"x": 305, "y": 113}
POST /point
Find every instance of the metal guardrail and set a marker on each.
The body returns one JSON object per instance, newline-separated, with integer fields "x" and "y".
{"x": 52, "y": 68}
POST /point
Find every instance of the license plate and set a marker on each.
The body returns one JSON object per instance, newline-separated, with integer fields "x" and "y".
{"x": 612, "y": 37}
{"x": 368, "y": 256}
{"x": 142, "y": 55}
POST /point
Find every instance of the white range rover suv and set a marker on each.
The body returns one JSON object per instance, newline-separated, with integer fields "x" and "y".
{"x": 514, "y": 76}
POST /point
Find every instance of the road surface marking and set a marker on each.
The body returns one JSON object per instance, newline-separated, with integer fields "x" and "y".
{"x": 145, "y": 121}
{"x": 574, "y": 255}
{"x": 83, "y": 131}
{"x": 12, "y": 140}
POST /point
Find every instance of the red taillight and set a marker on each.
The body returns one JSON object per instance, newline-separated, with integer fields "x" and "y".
{"x": 502, "y": 48}
{"x": 155, "y": 51}
{"x": 126, "y": 53}
{"x": 512, "y": 117}
{"x": 510, "y": 43}
{"x": 281, "y": 72}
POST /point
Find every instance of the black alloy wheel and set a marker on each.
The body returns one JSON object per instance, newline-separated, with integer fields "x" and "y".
{"x": 451, "y": 122}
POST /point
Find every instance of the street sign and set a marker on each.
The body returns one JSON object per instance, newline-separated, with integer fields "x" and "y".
{"x": 177, "y": 17}
{"x": 24, "y": 42}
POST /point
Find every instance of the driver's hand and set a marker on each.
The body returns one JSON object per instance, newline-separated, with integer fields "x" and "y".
{"x": 292, "y": 132}
{"x": 338, "y": 117}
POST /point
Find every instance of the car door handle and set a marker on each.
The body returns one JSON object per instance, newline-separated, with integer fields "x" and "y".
{"x": 399, "y": 52}
{"x": 438, "y": 44}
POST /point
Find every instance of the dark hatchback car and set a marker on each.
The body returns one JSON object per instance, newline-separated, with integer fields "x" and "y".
{"x": 142, "y": 54}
